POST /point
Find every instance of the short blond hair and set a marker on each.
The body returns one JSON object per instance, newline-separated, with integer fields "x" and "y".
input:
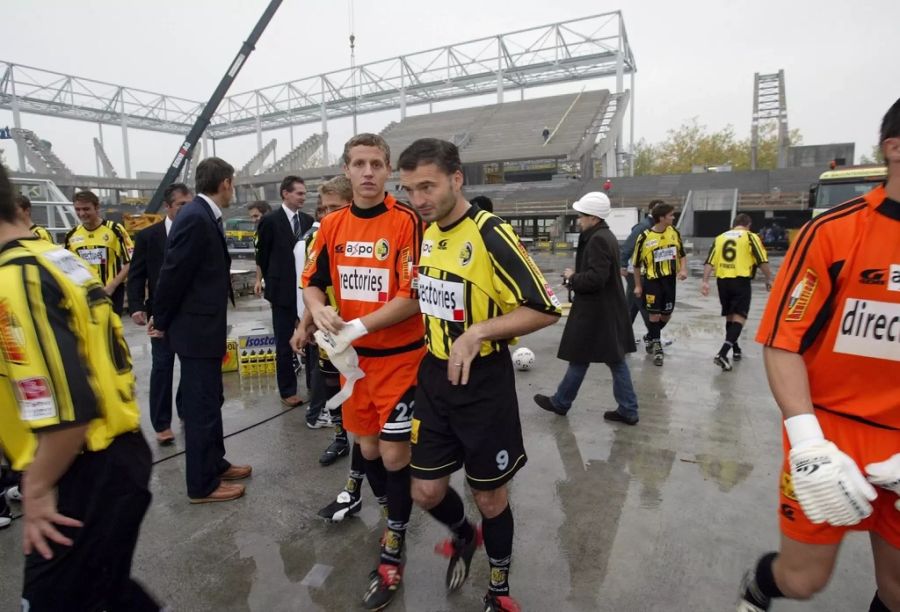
{"x": 339, "y": 186}
{"x": 366, "y": 140}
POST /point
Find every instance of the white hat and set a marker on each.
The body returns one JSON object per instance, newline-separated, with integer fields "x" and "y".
{"x": 594, "y": 203}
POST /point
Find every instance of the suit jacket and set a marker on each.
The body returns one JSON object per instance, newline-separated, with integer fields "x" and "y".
{"x": 191, "y": 299}
{"x": 275, "y": 256}
{"x": 149, "y": 252}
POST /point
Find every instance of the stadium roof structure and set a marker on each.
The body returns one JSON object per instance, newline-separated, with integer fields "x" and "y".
{"x": 577, "y": 49}
{"x": 510, "y": 131}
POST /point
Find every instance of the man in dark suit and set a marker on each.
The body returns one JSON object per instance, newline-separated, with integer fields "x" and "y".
{"x": 149, "y": 251}
{"x": 190, "y": 309}
{"x": 277, "y": 235}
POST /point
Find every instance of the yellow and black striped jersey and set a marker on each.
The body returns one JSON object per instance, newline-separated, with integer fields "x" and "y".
{"x": 63, "y": 358}
{"x": 736, "y": 254}
{"x": 106, "y": 248}
{"x": 474, "y": 270}
{"x": 40, "y": 232}
{"x": 658, "y": 253}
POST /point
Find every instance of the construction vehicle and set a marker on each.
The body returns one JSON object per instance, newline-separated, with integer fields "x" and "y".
{"x": 239, "y": 233}
{"x": 842, "y": 184}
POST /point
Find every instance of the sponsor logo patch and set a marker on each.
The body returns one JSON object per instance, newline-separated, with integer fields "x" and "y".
{"x": 359, "y": 249}
{"x": 35, "y": 399}
{"x": 427, "y": 247}
{"x": 12, "y": 336}
{"x": 70, "y": 265}
{"x": 363, "y": 284}
{"x": 869, "y": 328}
{"x": 894, "y": 278}
{"x": 95, "y": 256}
{"x": 801, "y": 295}
{"x": 441, "y": 299}
{"x": 553, "y": 299}
{"x": 787, "y": 486}
{"x": 872, "y": 276}
{"x": 414, "y": 434}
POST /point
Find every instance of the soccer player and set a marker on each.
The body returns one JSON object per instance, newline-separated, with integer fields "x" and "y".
{"x": 658, "y": 258}
{"x": 334, "y": 195}
{"x": 478, "y": 291}
{"x": 23, "y": 205}
{"x": 734, "y": 257}
{"x": 368, "y": 253}
{"x": 69, "y": 420}
{"x": 831, "y": 332}
{"x": 105, "y": 245}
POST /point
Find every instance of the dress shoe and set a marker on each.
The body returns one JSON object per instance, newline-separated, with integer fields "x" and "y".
{"x": 165, "y": 437}
{"x": 618, "y": 417}
{"x": 236, "y": 472}
{"x": 291, "y": 401}
{"x": 225, "y": 492}
{"x": 547, "y": 404}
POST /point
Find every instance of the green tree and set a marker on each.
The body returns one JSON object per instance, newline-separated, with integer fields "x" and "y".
{"x": 874, "y": 157}
{"x": 693, "y": 145}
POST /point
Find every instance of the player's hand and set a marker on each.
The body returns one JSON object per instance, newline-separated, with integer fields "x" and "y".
{"x": 827, "y": 482}
{"x": 704, "y": 288}
{"x": 352, "y": 330}
{"x": 638, "y": 291}
{"x": 462, "y": 353}
{"x": 567, "y": 273}
{"x": 302, "y": 336}
{"x": 623, "y": 271}
{"x": 886, "y": 475}
{"x": 41, "y": 518}
{"x": 258, "y": 288}
{"x": 327, "y": 319}
{"x": 768, "y": 285}
{"x": 109, "y": 289}
{"x": 139, "y": 317}
{"x": 682, "y": 275}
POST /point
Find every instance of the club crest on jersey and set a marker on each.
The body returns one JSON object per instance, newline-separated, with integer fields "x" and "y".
{"x": 801, "y": 295}
{"x": 12, "y": 336}
{"x": 382, "y": 249}
{"x": 465, "y": 254}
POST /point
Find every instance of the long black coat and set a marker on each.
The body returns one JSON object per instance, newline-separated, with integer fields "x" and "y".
{"x": 598, "y": 329}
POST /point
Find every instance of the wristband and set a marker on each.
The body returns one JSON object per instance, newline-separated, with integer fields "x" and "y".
{"x": 803, "y": 430}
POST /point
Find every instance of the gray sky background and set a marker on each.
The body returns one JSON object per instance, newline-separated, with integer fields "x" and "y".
{"x": 694, "y": 58}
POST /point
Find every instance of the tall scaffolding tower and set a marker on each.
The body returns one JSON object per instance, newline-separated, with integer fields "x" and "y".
{"x": 769, "y": 102}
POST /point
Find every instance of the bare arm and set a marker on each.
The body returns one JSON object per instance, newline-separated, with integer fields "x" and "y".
{"x": 682, "y": 269}
{"x": 707, "y": 272}
{"x": 767, "y": 272}
{"x": 396, "y": 310}
{"x": 789, "y": 381}
{"x": 118, "y": 280}
{"x": 523, "y": 320}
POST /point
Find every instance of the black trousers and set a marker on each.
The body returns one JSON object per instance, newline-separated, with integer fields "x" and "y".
{"x": 202, "y": 396}
{"x": 161, "y": 375}
{"x": 283, "y": 319}
{"x": 107, "y": 491}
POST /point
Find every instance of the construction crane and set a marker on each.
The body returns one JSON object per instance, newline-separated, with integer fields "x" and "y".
{"x": 203, "y": 120}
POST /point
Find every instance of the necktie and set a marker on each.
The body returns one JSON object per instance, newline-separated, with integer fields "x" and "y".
{"x": 296, "y": 225}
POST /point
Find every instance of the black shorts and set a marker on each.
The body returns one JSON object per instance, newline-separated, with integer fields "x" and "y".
{"x": 659, "y": 295}
{"x": 475, "y": 426}
{"x": 734, "y": 295}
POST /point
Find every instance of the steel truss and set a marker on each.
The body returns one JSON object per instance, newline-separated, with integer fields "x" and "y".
{"x": 578, "y": 49}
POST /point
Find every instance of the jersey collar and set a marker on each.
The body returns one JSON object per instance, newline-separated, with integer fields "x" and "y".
{"x": 469, "y": 214}
{"x": 369, "y": 213}
{"x": 883, "y": 204}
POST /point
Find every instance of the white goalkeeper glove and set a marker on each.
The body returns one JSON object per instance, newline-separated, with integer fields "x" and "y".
{"x": 828, "y": 484}
{"x": 886, "y": 474}
{"x": 336, "y": 343}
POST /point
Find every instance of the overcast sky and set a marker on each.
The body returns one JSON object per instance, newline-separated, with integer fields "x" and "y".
{"x": 695, "y": 59}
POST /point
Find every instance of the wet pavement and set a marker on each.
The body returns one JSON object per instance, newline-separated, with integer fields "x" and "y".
{"x": 662, "y": 516}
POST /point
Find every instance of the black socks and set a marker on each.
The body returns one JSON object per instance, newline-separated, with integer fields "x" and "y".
{"x": 451, "y": 512}
{"x": 498, "y": 541}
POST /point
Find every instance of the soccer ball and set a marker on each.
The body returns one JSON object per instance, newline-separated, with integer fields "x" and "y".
{"x": 523, "y": 359}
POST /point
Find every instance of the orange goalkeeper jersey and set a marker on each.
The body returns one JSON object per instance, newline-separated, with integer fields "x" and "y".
{"x": 836, "y": 301}
{"x": 369, "y": 256}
